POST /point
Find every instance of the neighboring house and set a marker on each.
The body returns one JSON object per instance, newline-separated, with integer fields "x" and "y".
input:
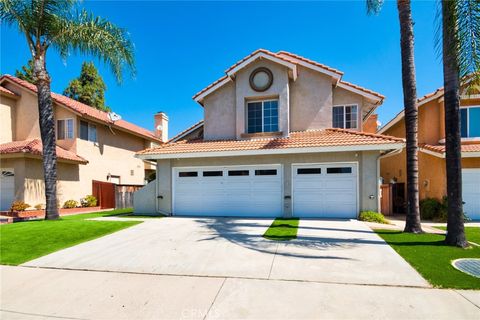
{"x": 281, "y": 136}
{"x": 431, "y": 158}
{"x": 90, "y": 146}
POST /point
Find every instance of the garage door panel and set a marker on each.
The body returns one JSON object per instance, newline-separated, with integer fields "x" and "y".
{"x": 239, "y": 191}
{"x": 471, "y": 192}
{"x": 320, "y": 194}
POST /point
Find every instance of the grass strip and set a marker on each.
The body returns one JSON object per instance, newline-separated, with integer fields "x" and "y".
{"x": 282, "y": 230}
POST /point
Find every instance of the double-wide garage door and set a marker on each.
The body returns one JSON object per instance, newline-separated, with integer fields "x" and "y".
{"x": 318, "y": 191}
{"x": 253, "y": 191}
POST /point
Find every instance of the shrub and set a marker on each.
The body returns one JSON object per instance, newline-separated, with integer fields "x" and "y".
{"x": 372, "y": 216}
{"x": 19, "y": 206}
{"x": 442, "y": 215}
{"x": 70, "y": 204}
{"x": 39, "y": 206}
{"x": 430, "y": 208}
{"x": 88, "y": 201}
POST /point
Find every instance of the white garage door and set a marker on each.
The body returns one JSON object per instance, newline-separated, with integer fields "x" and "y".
{"x": 7, "y": 189}
{"x": 250, "y": 191}
{"x": 471, "y": 192}
{"x": 325, "y": 190}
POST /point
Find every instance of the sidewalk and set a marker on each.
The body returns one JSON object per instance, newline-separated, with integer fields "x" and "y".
{"x": 36, "y": 293}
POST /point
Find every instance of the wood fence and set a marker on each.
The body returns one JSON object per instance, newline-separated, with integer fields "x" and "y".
{"x": 124, "y": 195}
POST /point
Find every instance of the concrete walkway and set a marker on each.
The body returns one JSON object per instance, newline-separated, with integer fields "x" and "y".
{"x": 38, "y": 293}
{"x": 335, "y": 251}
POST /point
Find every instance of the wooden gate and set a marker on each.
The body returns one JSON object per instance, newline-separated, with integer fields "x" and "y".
{"x": 386, "y": 200}
{"x": 124, "y": 195}
{"x": 105, "y": 194}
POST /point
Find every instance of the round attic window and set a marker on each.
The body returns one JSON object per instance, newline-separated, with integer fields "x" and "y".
{"x": 261, "y": 79}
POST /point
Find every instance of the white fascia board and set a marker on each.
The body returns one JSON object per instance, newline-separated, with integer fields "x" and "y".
{"x": 371, "y": 147}
{"x": 200, "y": 97}
{"x": 242, "y": 65}
{"x": 432, "y": 153}
{"x": 318, "y": 69}
{"x": 187, "y": 132}
{"x": 392, "y": 122}
{"x": 475, "y": 154}
{"x": 360, "y": 92}
{"x": 442, "y": 155}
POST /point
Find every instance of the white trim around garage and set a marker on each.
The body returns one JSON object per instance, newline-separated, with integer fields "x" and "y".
{"x": 370, "y": 147}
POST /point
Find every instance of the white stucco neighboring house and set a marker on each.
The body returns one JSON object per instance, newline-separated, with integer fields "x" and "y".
{"x": 282, "y": 135}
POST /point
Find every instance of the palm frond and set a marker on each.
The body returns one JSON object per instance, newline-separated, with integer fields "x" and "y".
{"x": 87, "y": 34}
{"x": 374, "y": 6}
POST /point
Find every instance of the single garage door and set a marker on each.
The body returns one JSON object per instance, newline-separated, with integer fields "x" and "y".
{"x": 7, "y": 189}
{"x": 325, "y": 190}
{"x": 249, "y": 191}
{"x": 471, "y": 192}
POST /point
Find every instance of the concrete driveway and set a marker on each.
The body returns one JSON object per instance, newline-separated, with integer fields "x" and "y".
{"x": 325, "y": 251}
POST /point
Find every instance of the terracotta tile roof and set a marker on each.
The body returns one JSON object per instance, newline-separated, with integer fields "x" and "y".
{"x": 88, "y": 111}
{"x": 209, "y": 86}
{"x": 440, "y": 148}
{"x": 289, "y": 55}
{"x": 35, "y": 147}
{"x": 186, "y": 130}
{"x": 6, "y": 91}
{"x": 363, "y": 89}
{"x": 254, "y": 53}
{"x": 300, "y": 139}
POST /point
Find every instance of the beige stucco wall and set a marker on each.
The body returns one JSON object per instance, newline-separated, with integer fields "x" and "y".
{"x": 219, "y": 109}
{"x": 144, "y": 199}
{"x": 304, "y": 104}
{"x": 311, "y": 101}
{"x": 367, "y": 173}
{"x": 7, "y": 116}
{"x": 278, "y": 90}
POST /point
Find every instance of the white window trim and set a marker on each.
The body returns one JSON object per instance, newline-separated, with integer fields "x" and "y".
{"x": 344, "y": 118}
{"x": 65, "y": 129}
{"x": 263, "y": 116}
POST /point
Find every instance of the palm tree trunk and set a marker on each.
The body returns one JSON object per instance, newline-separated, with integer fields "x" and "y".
{"x": 412, "y": 223}
{"x": 47, "y": 132}
{"x": 453, "y": 160}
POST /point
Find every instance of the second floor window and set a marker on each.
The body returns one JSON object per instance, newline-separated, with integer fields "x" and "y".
{"x": 262, "y": 116}
{"x": 88, "y": 131}
{"x": 64, "y": 129}
{"x": 470, "y": 122}
{"x": 345, "y": 117}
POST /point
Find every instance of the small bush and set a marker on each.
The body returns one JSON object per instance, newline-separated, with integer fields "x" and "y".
{"x": 88, "y": 201}
{"x": 39, "y": 206}
{"x": 70, "y": 204}
{"x": 430, "y": 208}
{"x": 372, "y": 216}
{"x": 19, "y": 206}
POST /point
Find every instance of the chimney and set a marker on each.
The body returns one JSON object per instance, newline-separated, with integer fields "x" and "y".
{"x": 161, "y": 126}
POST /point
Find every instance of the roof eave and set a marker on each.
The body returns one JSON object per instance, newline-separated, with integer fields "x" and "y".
{"x": 233, "y": 153}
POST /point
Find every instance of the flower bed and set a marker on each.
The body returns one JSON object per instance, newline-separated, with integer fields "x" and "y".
{"x": 34, "y": 214}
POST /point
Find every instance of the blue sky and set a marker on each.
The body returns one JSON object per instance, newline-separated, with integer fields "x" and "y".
{"x": 182, "y": 47}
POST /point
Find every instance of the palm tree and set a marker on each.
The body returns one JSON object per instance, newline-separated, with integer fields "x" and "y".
{"x": 412, "y": 223}
{"x": 58, "y": 24}
{"x": 461, "y": 58}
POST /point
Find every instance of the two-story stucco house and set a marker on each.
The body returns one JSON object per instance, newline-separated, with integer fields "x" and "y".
{"x": 431, "y": 158}
{"x": 90, "y": 146}
{"x": 281, "y": 136}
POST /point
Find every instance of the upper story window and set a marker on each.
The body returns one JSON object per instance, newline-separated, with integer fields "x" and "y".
{"x": 64, "y": 129}
{"x": 345, "y": 117}
{"x": 470, "y": 122}
{"x": 88, "y": 131}
{"x": 262, "y": 116}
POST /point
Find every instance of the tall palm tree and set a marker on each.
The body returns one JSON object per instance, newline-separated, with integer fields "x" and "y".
{"x": 461, "y": 58}
{"x": 409, "y": 83}
{"x": 58, "y": 24}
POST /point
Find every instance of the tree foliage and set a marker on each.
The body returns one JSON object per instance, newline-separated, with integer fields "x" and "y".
{"x": 26, "y": 73}
{"x": 88, "y": 88}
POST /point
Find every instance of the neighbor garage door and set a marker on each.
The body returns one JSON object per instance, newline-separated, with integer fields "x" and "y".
{"x": 325, "y": 190}
{"x": 250, "y": 191}
{"x": 471, "y": 192}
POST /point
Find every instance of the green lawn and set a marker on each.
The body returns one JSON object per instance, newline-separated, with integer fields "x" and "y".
{"x": 472, "y": 233}
{"x": 432, "y": 259}
{"x": 282, "y": 230}
{"x": 23, "y": 241}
